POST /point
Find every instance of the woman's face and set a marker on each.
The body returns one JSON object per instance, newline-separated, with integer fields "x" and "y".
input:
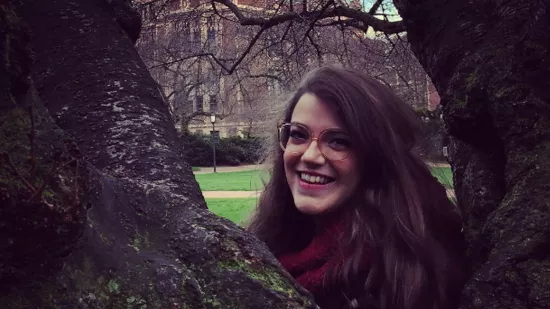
{"x": 320, "y": 185}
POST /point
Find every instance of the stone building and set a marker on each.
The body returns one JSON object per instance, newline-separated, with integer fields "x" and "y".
{"x": 190, "y": 48}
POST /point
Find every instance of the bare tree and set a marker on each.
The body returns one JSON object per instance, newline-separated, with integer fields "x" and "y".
{"x": 266, "y": 47}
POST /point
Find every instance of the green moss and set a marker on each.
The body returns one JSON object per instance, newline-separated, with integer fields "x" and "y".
{"x": 136, "y": 244}
{"x": 140, "y": 242}
{"x": 230, "y": 245}
{"x": 461, "y": 102}
{"x": 113, "y": 286}
{"x": 14, "y": 125}
{"x": 212, "y": 302}
{"x": 471, "y": 79}
{"x": 268, "y": 277}
{"x": 135, "y": 302}
{"x": 48, "y": 194}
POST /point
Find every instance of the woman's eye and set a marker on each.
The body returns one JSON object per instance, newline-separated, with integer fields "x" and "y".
{"x": 340, "y": 143}
{"x": 298, "y": 135}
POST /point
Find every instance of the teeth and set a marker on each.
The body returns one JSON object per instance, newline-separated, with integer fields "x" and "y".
{"x": 313, "y": 179}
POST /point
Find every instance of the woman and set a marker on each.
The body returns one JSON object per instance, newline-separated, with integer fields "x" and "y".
{"x": 350, "y": 211}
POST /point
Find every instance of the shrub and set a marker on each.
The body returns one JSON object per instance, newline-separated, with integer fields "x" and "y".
{"x": 229, "y": 151}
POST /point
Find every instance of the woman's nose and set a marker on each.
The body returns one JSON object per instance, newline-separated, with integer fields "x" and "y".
{"x": 313, "y": 154}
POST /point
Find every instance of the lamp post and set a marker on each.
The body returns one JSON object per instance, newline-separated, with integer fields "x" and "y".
{"x": 213, "y": 121}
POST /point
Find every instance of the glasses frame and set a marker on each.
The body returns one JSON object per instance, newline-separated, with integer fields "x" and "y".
{"x": 311, "y": 139}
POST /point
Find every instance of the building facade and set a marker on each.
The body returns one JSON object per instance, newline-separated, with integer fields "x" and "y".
{"x": 191, "y": 48}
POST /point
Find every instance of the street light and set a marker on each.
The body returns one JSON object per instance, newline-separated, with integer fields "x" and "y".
{"x": 213, "y": 121}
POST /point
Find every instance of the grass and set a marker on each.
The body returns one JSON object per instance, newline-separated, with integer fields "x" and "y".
{"x": 444, "y": 175}
{"x": 233, "y": 181}
{"x": 237, "y": 210}
{"x": 252, "y": 180}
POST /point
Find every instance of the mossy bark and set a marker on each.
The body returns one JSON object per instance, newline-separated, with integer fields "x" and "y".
{"x": 490, "y": 62}
{"x": 121, "y": 222}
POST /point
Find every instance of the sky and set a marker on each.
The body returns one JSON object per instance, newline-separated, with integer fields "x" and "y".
{"x": 387, "y": 5}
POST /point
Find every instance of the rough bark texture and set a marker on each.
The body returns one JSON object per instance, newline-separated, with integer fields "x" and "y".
{"x": 121, "y": 222}
{"x": 490, "y": 60}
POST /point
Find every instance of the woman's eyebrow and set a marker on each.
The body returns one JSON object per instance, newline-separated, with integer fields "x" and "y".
{"x": 333, "y": 129}
{"x": 337, "y": 130}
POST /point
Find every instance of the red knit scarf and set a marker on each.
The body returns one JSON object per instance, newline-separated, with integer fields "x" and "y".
{"x": 311, "y": 265}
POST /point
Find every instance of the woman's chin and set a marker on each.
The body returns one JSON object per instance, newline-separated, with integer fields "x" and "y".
{"x": 309, "y": 206}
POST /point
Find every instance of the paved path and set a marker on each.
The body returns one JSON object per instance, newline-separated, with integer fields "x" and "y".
{"x": 256, "y": 194}
{"x": 231, "y": 194}
{"x": 228, "y": 169}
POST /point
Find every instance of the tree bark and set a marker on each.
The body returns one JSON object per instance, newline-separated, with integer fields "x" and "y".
{"x": 490, "y": 60}
{"x": 120, "y": 221}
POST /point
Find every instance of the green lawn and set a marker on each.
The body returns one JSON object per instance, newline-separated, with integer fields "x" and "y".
{"x": 237, "y": 210}
{"x": 444, "y": 175}
{"x": 233, "y": 181}
{"x": 252, "y": 180}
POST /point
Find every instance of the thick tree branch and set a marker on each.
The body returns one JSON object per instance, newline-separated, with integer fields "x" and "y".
{"x": 367, "y": 19}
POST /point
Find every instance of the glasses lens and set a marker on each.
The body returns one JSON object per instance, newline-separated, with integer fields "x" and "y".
{"x": 335, "y": 145}
{"x": 294, "y": 138}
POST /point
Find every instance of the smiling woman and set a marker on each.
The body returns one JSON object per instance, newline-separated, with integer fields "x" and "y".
{"x": 350, "y": 210}
{"x": 317, "y": 187}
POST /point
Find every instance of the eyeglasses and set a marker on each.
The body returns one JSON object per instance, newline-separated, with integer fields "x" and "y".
{"x": 333, "y": 144}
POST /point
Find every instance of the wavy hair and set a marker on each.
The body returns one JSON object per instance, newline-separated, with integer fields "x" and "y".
{"x": 400, "y": 219}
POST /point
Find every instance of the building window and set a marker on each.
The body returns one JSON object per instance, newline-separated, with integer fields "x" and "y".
{"x": 211, "y": 34}
{"x": 198, "y": 103}
{"x": 196, "y": 37}
{"x": 175, "y": 4}
{"x": 213, "y": 103}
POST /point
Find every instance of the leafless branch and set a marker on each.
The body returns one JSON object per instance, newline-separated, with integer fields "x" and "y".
{"x": 363, "y": 17}
{"x": 375, "y": 7}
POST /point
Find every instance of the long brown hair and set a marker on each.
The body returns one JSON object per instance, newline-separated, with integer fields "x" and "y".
{"x": 401, "y": 221}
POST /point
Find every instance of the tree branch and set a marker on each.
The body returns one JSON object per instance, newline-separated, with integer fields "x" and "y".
{"x": 375, "y": 7}
{"x": 367, "y": 19}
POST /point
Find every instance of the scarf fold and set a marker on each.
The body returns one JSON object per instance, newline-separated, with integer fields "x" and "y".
{"x": 311, "y": 265}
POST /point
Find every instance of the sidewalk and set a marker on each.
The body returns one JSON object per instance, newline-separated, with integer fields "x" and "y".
{"x": 228, "y": 169}
{"x": 231, "y": 194}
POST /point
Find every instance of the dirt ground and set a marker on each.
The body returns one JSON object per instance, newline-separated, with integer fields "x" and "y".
{"x": 228, "y": 169}
{"x": 231, "y": 194}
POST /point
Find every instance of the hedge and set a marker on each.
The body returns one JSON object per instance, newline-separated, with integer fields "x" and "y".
{"x": 229, "y": 151}
{"x": 237, "y": 150}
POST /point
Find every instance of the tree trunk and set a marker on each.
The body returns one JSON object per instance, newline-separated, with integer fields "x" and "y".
{"x": 118, "y": 222}
{"x": 490, "y": 61}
